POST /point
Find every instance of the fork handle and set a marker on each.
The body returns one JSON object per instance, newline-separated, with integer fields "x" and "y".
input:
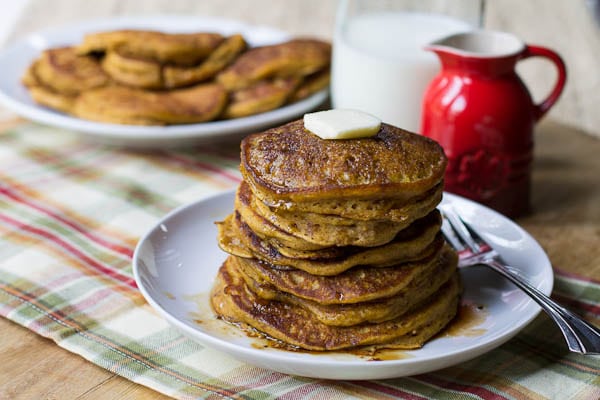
{"x": 581, "y": 336}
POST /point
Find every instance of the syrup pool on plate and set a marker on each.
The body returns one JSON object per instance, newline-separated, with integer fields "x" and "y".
{"x": 379, "y": 65}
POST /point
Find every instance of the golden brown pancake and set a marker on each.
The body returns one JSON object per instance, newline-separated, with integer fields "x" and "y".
{"x": 382, "y": 231}
{"x": 236, "y": 238}
{"x": 46, "y": 96}
{"x": 29, "y": 79}
{"x": 53, "y": 100}
{"x": 261, "y": 97}
{"x": 63, "y": 71}
{"x": 332, "y": 230}
{"x": 182, "y": 48}
{"x": 57, "y": 77}
{"x": 290, "y": 164}
{"x": 127, "y": 105}
{"x": 131, "y": 71}
{"x": 295, "y": 58}
{"x": 263, "y": 228}
{"x": 233, "y": 300}
{"x": 424, "y": 286}
{"x": 400, "y": 210}
{"x": 175, "y": 76}
{"x": 312, "y": 84}
{"x": 355, "y": 285}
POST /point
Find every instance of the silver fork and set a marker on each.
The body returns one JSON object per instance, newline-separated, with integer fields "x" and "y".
{"x": 581, "y": 336}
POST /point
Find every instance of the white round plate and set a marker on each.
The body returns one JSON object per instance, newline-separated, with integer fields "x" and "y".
{"x": 16, "y": 58}
{"x": 176, "y": 261}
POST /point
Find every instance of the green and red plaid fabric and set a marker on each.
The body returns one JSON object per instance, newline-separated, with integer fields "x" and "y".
{"x": 71, "y": 214}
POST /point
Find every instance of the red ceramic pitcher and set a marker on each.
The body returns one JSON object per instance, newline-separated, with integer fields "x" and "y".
{"x": 482, "y": 114}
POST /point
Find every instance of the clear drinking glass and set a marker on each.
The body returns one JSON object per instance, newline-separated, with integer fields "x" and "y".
{"x": 379, "y": 65}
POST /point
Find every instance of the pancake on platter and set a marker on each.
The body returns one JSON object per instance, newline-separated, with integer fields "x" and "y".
{"x": 291, "y": 241}
{"x": 233, "y": 300}
{"x": 235, "y": 237}
{"x": 148, "y": 73}
{"x": 176, "y": 76}
{"x": 63, "y": 71}
{"x": 59, "y": 75}
{"x": 265, "y": 229}
{"x": 262, "y": 96}
{"x": 397, "y": 209}
{"x": 294, "y": 58}
{"x": 173, "y": 48}
{"x": 118, "y": 104}
{"x": 421, "y": 288}
{"x": 355, "y": 285}
{"x": 311, "y": 85}
{"x": 132, "y": 71}
{"x": 44, "y": 95}
{"x": 332, "y": 230}
{"x": 289, "y": 165}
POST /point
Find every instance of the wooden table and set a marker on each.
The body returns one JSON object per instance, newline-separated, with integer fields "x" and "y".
{"x": 566, "y": 187}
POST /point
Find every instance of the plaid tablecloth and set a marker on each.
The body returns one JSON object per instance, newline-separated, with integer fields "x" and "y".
{"x": 71, "y": 214}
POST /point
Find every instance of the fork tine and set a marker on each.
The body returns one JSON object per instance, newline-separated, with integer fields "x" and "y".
{"x": 451, "y": 236}
{"x": 459, "y": 227}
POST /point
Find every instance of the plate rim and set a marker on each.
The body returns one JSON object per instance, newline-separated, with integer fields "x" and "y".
{"x": 247, "y": 354}
{"x": 134, "y": 134}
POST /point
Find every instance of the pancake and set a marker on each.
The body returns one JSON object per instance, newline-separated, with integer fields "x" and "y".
{"x": 286, "y": 251}
{"x": 312, "y": 84}
{"x": 131, "y": 71}
{"x": 260, "y": 97}
{"x": 280, "y": 235}
{"x": 291, "y": 165}
{"x": 175, "y": 76}
{"x": 285, "y": 243}
{"x": 424, "y": 286}
{"x": 44, "y": 95}
{"x": 415, "y": 243}
{"x": 150, "y": 74}
{"x": 62, "y": 71}
{"x": 59, "y": 75}
{"x": 263, "y": 228}
{"x": 295, "y": 58}
{"x": 53, "y": 100}
{"x": 29, "y": 79}
{"x": 127, "y": 105}
{"x": 184, "y": 49}
{"x": 233, "y": 300}
{"x": 355, "y": 285}
{"x": 331, "y": 230}
{"x": 400, "y": 210}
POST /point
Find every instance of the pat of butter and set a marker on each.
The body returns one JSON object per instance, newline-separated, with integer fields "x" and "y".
{"x": 342, "y": 124}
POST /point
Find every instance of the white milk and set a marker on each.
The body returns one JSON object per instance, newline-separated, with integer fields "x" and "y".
{"x": 379, "y": 65}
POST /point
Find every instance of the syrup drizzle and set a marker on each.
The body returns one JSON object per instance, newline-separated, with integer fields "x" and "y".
{"x": 467, "y": 320}
{"x": 466, "y": 323}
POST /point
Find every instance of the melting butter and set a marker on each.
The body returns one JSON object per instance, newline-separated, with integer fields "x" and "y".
{"x": 342, "y": 124}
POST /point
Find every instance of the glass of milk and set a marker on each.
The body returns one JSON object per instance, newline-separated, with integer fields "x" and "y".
{"x": 379, "y": 65}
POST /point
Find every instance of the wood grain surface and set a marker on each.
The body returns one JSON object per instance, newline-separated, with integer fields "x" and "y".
{"x": 565, "y": 216}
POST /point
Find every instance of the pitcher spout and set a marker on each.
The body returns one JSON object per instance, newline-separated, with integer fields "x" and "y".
{"x": 487, "y": 51}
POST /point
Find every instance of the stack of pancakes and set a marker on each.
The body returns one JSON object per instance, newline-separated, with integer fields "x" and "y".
{"x": 336, "y": 244}
{"x": 155, "y": 78}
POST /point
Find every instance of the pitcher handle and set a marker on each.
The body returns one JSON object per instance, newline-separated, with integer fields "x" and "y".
{"x": 537, "y": 51}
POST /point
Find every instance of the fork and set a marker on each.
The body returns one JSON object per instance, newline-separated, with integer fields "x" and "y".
{"x": 581, "y": 336}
